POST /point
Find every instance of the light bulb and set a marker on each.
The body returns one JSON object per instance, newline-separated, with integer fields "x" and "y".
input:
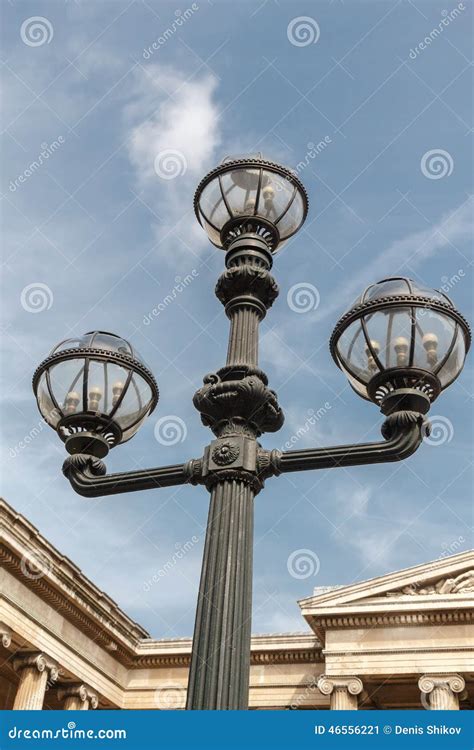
{"x": 268, "y": 194}
{"x": 371, "y": 363}
{"x": 249, "y": 207}
{"x": 95, "y": 394}
{"x": 71, "y": 402}
{"x": 117, "y": 389}
{"x": 401, "y": 350}
{"x": 430, "y": 342}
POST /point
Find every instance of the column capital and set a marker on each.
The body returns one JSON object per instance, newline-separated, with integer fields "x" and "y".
{"x": 5, "y": 635}
{"x": 328, "y": 683}
{"x": 80, "y": 692}
{"x": 428, "y": 682}
{"x": 36, "y": 660}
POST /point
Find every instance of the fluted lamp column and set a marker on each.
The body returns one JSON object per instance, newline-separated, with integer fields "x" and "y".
{"x": 441, "y": 691}
{"x": 78, "y": 697}
{"x": 36, "y": 672}
{"x": 343, "y": 692}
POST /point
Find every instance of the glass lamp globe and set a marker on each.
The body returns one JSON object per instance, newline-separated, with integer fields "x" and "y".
{"x": 95, "y": 391}
{"x": 250, "y": 194}
{"x": 399, "y": 334}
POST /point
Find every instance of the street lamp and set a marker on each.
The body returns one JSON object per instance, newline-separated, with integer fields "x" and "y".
{"x": 400, "y": 345}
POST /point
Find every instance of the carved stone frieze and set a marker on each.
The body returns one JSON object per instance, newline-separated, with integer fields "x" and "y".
{"x": 461, "y": 584}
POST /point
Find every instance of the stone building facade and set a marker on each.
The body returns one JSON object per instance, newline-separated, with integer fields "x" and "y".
{"x": 400, "y": 641}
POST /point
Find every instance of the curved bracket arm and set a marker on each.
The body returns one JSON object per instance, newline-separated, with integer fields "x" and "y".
{"x": 88, "y": 477}
{"x": 403, "y": 432}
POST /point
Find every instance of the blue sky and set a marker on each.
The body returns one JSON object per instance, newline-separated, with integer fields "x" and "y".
{"x": 95, "y": 238}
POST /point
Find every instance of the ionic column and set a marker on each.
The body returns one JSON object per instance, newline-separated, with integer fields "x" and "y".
{"x": 36, "y": 671}
{"x": 343, "y": 691}
{"x": 78, "y": 697}
{"x": 440, "y": 691}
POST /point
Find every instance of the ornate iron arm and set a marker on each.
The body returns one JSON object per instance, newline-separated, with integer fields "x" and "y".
{"x": 403, "y": 432}
{"x": 87, "y": 475}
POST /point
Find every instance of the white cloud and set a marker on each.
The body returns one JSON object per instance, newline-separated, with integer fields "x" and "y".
{"x": 184, "y": 119}
{"x": 173, "y": 131}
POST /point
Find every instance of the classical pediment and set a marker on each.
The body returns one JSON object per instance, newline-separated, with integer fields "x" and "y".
{"x": 444, "y": 585}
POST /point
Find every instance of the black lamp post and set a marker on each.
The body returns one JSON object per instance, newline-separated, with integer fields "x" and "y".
{"x": 400, "y": 345}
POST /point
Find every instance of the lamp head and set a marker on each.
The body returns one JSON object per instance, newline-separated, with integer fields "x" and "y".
{"x": 400, "y": 335}
{"x": 250, "y": 195}
{"x": 95, "y": 391}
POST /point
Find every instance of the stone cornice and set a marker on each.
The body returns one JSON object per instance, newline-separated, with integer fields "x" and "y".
{"x": 395, "y": 650}
{"x": 284, "y": 648}
{"x": 320, "y": 623}
{"x": 64, "y": 586}
{"x": 94, "y": 627}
